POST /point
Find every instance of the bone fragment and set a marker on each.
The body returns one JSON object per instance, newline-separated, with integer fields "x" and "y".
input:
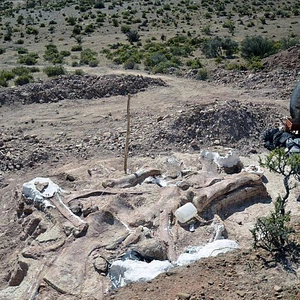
{"x": 132, "y": 179}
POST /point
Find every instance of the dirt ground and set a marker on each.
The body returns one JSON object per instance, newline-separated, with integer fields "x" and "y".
{"x": 78, "y": 143}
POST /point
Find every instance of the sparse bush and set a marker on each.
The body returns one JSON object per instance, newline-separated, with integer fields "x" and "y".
{"x": 129, "y": 64}
{"x": 194, "y": 63}
{"x": 132, "y": 36}
{"x": 2, "y": 50}
{"x": 256, "y": 46}
{"x": 22, "y": 50}
{"x": 88, "y": 57}
{"x": 273, "y": 233}
{"x": 99, "y": 5}
{"x": 31, "y": 30}
{"x": 29, "y": 59}
{"x": 76, "y": 48}
{"x": 79, "y": 72}
{"x": 54, "y": 71}
{"x": 23, "y": 79}
{"x": 202, "y": 74}
{"x": 125, "y": 29}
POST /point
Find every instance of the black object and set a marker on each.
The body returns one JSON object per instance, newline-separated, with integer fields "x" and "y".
{"x": 134, "y": 255}
{"x": 274, "y": 138}
{"x": 295, "y": 104}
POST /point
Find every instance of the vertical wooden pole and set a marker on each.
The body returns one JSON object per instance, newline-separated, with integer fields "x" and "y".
{"x": 127, "y": 135}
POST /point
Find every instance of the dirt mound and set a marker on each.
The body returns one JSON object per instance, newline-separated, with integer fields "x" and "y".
{"x": 276, "y": 84}
{"x": 285, "y": 60}
{"x": 77, "y": 87}
{"x": 231, "y": 124}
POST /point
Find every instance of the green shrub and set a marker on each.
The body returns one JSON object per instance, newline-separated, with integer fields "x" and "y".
{"x": 29, "y": 59}
{"x": 99, "y": 5}
{"x": 288, "y": 42}
{"x": 132, "y": 36}
{"x": 76, "y": 48}
{"x": 22, "y": 50}
{"x": 54, "y": 71}
{"x": 255, "y": 64}
{"x": 23, "y": 79}
{"x": 6, "y": 75}
{"x": 20, "y": 42}
{"x": 31, "y": 30}
{"x": 88, "y": 56}
{"x": 79, "y": 72}
{"x": 202, "y": 74}
{"x": 212, "y": 47}
{"x": 256, "y": 46}
{"x": 19, "y": 71}
{"x": 194, "y": 63}
{"x": 129, "y": 64}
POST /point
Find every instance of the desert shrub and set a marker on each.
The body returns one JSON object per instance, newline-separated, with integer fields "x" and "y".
{"x": 76, "y": 48}
{"x": 153, "y": 59}
{"x": 88, "y": 56}
{"x": 29, "y": 59}
{"x": 31, "y": 30}
{"x": 132, "y": 36}
{"x": 235, "y": 67}
{"x": 53, "y": 71}
{"x": 89, "y": 28}
{"x": 65, "y": 53}
{"x": 212, "y": 47}
{"x": 164, "y": 67}
{"x": 125, "y": 29}
{"x": 22, "y": 50}
{"x": 19, "y": 71}
{"x": 206, "y": 29}
{"x": 229, "y": 46}
{"x": 94, "y": 62}
{"x": 202, "y": 74}
{"x": 194, "y": 63}
{"x": 216, "y": 46}
{"x": 255, "y": 64}
{"x": 20, "y": 42}
{"x": 288, "y": 42}
{"x": 79, "y": 72}
{"x": 71, "y": 20}
{"x": 99, "y": 5}
{"x": 76, "y": 29}
{"x": 256, "y": 46}
{"x": 129, "y": 64}
{"x": 23, "y": 79}
{"x": 6, "y": 75}
{"x": 273, "y": 232}
{"x": 2, "y": 50}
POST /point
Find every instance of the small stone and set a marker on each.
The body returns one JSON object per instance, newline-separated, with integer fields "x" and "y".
{"x": 277, "y": 288}
{"x": 210, "y": 282}
{"x": 183, "y": 296}
{"x": 241, "y": 293}
{"x": 100, "y": 265}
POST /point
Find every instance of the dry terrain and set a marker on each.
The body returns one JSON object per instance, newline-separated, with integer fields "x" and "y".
{"x": 78, "y": 141}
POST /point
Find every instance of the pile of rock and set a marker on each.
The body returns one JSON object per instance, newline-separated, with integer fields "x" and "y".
{"x": 77, "y": 87}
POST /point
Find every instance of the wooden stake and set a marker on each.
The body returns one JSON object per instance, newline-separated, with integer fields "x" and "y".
{"x": 127, "y": 135}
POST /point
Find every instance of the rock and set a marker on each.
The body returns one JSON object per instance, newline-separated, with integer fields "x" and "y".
{"x": 183, "y": 296}
{"x": 101, "y": 265}
{"x": 18, "y": 273}
{"x": 277, "y": 288}
{"x": 153, "y": 248}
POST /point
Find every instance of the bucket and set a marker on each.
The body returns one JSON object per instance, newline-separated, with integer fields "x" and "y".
{"x": 186, "y": 212}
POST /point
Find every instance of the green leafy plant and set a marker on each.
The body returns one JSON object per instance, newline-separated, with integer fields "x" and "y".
{"x": 273, "y": 233}
{"x": 256, "y": 46}
{"x": 54, "y": 71}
